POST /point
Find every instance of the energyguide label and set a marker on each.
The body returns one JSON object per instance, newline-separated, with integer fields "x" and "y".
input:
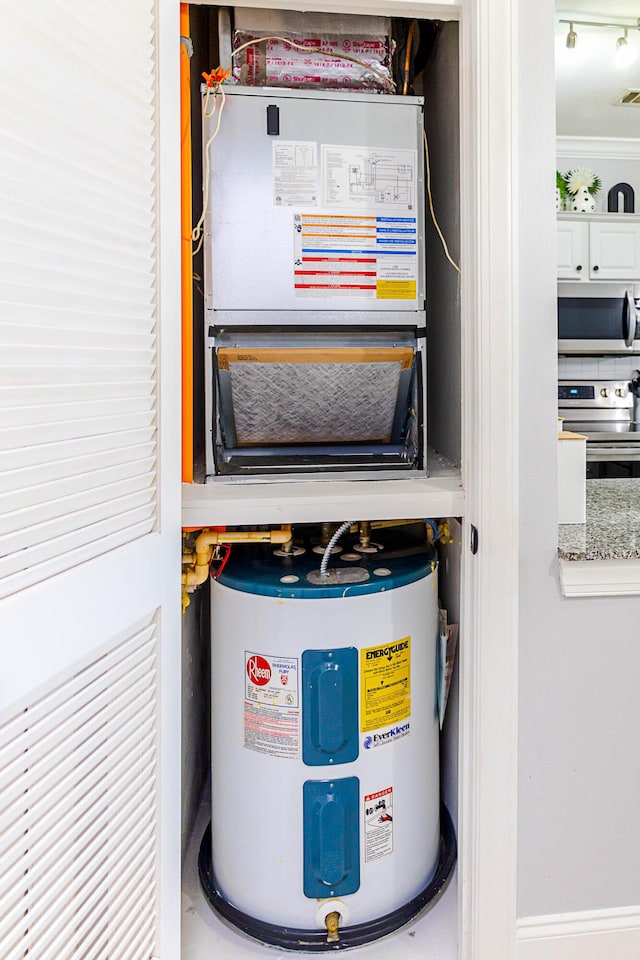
{"x": 385, "y": 687}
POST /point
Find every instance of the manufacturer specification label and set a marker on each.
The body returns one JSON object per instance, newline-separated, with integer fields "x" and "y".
{"x": 378, "y": 824}
{"x": 295, "y": 172}
{"x": 385, "y": 685}
{"x": 271, "y": 705}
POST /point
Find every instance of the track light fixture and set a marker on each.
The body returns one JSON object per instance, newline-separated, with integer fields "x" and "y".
{"x": 625, "y": 54}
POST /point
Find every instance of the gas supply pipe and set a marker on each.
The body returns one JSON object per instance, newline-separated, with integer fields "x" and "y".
{"x": 196, "y": 562}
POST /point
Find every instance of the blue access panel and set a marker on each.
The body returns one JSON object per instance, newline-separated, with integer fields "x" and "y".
{"x": 330, "y": 706}
{"x": 331, "y": 837}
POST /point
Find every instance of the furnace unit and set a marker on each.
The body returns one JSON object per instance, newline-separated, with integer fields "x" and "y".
{"x": 315, "y": 285}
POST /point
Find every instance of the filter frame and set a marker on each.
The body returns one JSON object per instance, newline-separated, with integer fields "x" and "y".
{"x": 404, "y": 454}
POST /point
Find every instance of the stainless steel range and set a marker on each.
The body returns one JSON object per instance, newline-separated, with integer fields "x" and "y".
{"x": 605, "y": 412}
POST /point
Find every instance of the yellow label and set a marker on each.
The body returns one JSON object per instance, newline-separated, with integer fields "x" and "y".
{"x": 385, "y": 684}
{"x": 395, "y": 290}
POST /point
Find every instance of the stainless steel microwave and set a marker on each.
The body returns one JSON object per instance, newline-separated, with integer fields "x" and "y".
{"x": 606, "y": 321}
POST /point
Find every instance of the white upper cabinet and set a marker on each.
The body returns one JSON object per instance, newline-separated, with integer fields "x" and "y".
{"x": 604, "y": 247}
{"x": 614, "y": 250}
{"x": 573, "y": 250}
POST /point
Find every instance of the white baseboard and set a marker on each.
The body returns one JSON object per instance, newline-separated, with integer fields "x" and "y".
{"x": 591, "y": 935}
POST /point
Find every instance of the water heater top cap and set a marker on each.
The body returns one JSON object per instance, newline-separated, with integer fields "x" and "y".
{"x": 256, "y": 570}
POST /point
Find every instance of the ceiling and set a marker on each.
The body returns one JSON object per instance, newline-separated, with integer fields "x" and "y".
{"x": 587, "y": 78}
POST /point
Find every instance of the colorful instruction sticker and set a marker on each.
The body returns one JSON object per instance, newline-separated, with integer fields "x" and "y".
{"x": 363, "y": 255}
{"x": 385, "y": 685}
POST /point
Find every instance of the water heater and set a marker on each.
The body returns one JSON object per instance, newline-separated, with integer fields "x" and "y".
{"x": 325, "y": 739}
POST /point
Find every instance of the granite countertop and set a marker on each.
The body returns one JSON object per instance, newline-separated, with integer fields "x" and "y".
{"x": 612, "y": 530}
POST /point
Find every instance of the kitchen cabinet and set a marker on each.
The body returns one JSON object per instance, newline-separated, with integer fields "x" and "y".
{"x": 598, "y": 247}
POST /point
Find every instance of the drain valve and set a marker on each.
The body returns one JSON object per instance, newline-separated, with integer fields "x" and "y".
{"x": 332, "y": 921}
{"x": 333, "y": 914}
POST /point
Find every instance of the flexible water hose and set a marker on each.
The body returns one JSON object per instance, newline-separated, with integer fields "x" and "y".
{"x": 434, "y": 528}
{"x": 334, "y": 539}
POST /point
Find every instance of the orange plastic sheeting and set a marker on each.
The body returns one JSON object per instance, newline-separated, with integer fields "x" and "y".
{"x": 187, "y": 255}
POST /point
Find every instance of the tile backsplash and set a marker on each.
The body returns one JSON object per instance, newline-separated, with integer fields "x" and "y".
{"x": 597, "y": 368}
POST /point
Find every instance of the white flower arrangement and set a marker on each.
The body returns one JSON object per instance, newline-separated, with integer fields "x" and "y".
{"x": 582, "y": 179}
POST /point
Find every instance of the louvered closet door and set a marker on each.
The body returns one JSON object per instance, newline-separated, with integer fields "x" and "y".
{"x": 89, "y": 480}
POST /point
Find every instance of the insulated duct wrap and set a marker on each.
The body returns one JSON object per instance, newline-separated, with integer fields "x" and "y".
{"x": 320, "y": 397}
{"x": 274, "y": 63}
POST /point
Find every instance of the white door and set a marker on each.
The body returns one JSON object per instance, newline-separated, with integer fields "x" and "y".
{"x": 89, "y": 536}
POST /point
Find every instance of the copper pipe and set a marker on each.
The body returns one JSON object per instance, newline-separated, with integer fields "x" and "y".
{"x": 407, "y": 57}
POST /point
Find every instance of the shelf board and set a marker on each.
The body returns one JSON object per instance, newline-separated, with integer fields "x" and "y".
{"x": 599, "y": 216}
{"x": 311, "y": 501}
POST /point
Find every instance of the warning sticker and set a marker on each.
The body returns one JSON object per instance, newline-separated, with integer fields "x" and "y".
{"x": 271, "y": 708}
{"x": 385, "y": 685}
{"x": 272, "y": 730}
{"x": 378, "y": 824}
{"x": 355, "y": 255}
{"x": 295, "y": 172}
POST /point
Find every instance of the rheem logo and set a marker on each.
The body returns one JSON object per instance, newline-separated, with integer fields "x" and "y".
{"x": 258, "y": 670}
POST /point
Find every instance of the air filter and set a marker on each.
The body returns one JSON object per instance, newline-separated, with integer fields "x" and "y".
{"x": 314, "y": 396}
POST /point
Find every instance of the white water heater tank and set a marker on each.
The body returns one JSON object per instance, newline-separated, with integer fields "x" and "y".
{"x": 325, "y": 740}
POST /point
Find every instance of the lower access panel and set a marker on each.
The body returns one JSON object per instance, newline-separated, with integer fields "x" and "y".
{"x": 303, "y": 401}
{"x": 331, "y": 837}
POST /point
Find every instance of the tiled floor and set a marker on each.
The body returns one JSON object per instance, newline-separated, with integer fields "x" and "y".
{"x": 206, "y": 937}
